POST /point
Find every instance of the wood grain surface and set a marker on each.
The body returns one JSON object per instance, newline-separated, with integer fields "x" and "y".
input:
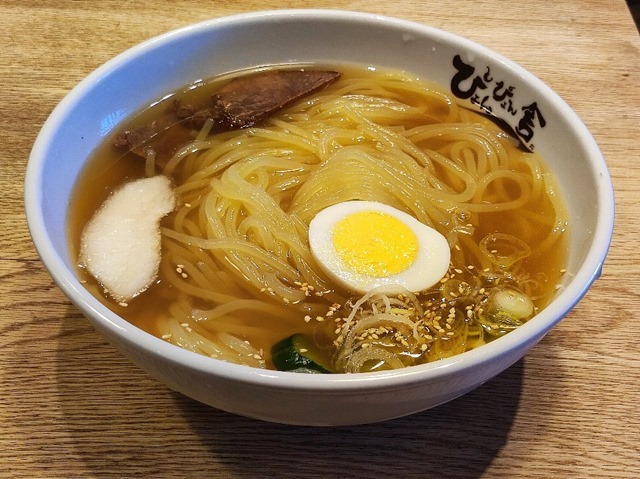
{"x": 70, "y": 406}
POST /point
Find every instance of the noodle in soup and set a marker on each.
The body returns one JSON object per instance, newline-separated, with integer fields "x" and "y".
{"x": 237, "y": 275}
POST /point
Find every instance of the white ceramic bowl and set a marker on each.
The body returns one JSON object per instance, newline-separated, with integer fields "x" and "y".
{"x": 163, "y": 64}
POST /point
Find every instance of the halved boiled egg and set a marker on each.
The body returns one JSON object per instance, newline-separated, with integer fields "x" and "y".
{"x": 362, "y": 245}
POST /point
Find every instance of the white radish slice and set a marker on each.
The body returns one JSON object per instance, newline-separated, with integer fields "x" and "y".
{"x": 120, "y": 246}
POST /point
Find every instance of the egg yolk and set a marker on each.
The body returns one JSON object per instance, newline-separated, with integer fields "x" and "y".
{"x": 374, "y": 243}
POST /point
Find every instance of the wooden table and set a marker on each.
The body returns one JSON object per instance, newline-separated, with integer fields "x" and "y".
{"x": 70, "y": 406}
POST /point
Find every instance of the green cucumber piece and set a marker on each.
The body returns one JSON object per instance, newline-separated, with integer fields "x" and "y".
{"x": 297, "y": 352}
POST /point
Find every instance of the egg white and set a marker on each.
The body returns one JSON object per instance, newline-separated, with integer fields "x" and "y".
{"x": 429, "y": 266}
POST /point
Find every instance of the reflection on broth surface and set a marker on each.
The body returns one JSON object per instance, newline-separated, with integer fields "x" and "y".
{"x": 238, "y": 279}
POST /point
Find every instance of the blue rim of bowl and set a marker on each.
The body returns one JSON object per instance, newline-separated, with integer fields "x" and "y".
{"x": 522, "y": 337}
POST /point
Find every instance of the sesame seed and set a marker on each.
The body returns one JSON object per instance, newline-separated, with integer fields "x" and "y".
{"x": 167, "y": 336}
{"x": 307, "y": 319}
{"x": 123, "y": 304}
{"x": 188, "y": 205}
{"x": 303, "y": 350}
{"x": 184, "y": 275}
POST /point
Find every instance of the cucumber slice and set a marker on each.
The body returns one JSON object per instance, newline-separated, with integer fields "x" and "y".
{"x": 298, "y": 352}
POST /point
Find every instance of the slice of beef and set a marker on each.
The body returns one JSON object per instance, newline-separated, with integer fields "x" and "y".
{"x": 164, "y": 135}
{"x": 248, "y": 100}
{"x": 243, "y": 102}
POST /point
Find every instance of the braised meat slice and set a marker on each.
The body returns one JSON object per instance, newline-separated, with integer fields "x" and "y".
{"x": 243, "y": 102}
{"x": 247, "y": 100}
